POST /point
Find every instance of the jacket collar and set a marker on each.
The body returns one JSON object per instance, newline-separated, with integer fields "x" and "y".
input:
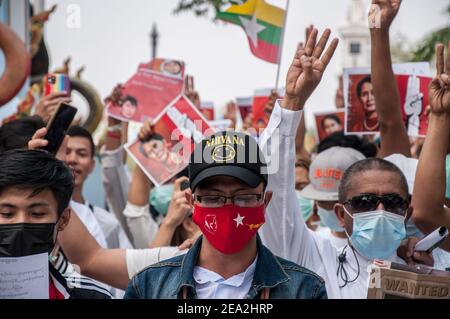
{"x": 268, "y": 273}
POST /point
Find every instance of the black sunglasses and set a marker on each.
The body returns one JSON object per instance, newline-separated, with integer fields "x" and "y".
{"x": 365, "y": 203}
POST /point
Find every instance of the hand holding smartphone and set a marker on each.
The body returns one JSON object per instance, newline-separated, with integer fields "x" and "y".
{"x": 184, "y": 185}
{"x": 57, "y": 127}
{"x": 56, "y": 83}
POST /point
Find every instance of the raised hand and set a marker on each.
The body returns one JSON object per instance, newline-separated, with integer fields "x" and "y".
{"x": 146, "y": 132}
{"x": 268, "y": 107}
{"x": 179, "y": 207}
{"x": 48, "y": 104}
{"x": 439, "y": 96}
{"x": 307, "y": 69}
{"x": 231, "y": 113}
{"x": 116, "y": 95}
{"x": 190, "y": 92}
{"x": 382, "y": 13}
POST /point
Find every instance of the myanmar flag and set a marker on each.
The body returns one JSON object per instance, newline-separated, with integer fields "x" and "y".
{"x": 263, "y": 24}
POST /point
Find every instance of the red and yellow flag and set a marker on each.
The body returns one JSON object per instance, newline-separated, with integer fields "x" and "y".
{"x": 263, "y": 23}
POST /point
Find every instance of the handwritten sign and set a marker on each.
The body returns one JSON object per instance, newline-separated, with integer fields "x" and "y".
{"x": 24, "y": 277}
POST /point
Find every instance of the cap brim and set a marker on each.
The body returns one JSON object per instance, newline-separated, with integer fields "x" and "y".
{"x": 310, "y": 192}
{"x": 244, "y": 175}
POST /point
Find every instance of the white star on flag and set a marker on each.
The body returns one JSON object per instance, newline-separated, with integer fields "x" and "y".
{"x": 252, "y": 28}
{"x": 239, "y": 220}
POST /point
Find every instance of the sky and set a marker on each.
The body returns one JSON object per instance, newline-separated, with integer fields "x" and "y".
{"x": 113, "y": 38}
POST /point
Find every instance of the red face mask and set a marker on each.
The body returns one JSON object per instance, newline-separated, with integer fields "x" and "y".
{"x": 229, "y": 228}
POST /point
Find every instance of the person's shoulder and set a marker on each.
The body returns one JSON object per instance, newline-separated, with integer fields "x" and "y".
{"x": 292, "y": 269}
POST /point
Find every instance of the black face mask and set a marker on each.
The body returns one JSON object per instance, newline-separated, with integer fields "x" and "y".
{"x": 18, "y": 240}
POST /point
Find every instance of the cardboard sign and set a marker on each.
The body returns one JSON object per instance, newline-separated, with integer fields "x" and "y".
{"x": 413, "y": 80}
{"x": 24, "y": 277}
{"x": 149, "y": 91}
{"x": 328, "y": 123}
{"x": 176, "y": 132}
{"x": 394, "y": 281}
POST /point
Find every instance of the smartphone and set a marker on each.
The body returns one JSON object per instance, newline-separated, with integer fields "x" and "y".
{"x": 433, "y": 240}
{"x": 55, "y": 83}
{"x": 184, "y": 185}
{"x": 57, "y": 127}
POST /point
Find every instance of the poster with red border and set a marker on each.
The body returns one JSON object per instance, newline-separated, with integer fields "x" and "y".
{"x": 413, "y": 80}
{"x": 328, "y": 123}
{"x": 148, "y": 92}
{"x": 176, "y": 131}
{"x": 207, "y": 109}
{"x": 261, "y": 114}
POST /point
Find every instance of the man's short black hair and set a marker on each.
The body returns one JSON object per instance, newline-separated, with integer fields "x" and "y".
{"x": 38, "y": 171}
{"x": 131, "y": 99}
{"x": 367, "y": 79}
{"x": 332, "y": 117}
{"x": 368, "y": 165}
{"x": 350, "y": 141}
{"x": 78, "y": 131}
{"x": 18, "y": 133}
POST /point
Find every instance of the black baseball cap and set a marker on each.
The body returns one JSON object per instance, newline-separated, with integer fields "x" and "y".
{"x": 228, "y": 153}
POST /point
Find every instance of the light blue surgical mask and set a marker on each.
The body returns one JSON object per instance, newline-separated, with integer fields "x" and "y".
{"x": 329, "y": 219}
{"x": 306, "y": 206}
{"x": 160, "y": 198}
{"x": 447, "y": 169}
{"x": 377, "y": 234}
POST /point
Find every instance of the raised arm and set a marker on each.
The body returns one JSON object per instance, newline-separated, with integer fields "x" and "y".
{"x": 82, "y": 250}
{"x": 142, "y": 226}
{"x": 394, "y": 138}
{"x": 285, "y": 232}
{"x": 179, "y": 209}
{"x": 429, "y": 186}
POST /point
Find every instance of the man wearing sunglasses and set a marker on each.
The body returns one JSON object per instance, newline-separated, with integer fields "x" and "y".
{"x": 373, "y": 208}
{"x": 325, "y": 175}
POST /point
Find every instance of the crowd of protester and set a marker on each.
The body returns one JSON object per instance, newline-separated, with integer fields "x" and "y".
{"x": 307, "y": 229}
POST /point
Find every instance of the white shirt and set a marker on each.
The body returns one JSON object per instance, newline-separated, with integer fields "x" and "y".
{"x": 89, "y": 221}
{"x": 139, "y": 259}
{"x": 326, "y": 233}
{"x": 441, "y": 259}
{"x": 114, "y": 234}
{"x": 285, "y": 232}
{"x": 211, "y": 285}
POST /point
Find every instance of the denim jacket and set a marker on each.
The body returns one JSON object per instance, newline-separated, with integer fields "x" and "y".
{"x": 283, "y": 279}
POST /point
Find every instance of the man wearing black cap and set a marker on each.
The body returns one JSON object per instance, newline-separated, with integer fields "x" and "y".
{"x": 228, "y": 177}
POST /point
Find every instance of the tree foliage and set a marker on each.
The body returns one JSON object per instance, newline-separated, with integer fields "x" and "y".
{"x": 426, "y": 49}
{"x": 203, "y": 7}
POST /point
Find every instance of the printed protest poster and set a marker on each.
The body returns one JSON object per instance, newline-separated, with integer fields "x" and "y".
{"x": 413, "y": 80}
{"x": 245, "y": 105}
{"x": 176, "y": 131}
{"x": 148, "y": 92}
{"x": 24, "y": 277}
{"x": 171, "y": 68}
{"x": 263, "y": 104}
{"x": 328, "y": 123}
{"x": 207, "y": 109}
